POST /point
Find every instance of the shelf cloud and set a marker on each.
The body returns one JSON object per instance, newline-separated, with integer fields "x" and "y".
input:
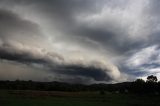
{"x": 79, "y": 41}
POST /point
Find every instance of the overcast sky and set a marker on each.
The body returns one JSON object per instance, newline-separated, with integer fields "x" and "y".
{"x": 79, "y": 41}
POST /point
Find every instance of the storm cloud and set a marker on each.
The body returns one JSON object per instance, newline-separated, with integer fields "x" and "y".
{"x": 54, "y": 63}
{"x": 86, "y": 41}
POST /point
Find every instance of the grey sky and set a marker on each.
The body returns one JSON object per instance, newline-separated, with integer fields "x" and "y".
{"x": 86, "y": 41}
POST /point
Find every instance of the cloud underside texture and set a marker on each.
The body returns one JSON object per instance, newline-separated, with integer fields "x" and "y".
{"x": 79, "y": 41}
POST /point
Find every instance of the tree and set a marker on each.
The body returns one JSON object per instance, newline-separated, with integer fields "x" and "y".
{"x": 140, "y": 81}
{"x": 138, "y": 86}
{"x": 152, "y": 78}
{"x": 151, "y": 84}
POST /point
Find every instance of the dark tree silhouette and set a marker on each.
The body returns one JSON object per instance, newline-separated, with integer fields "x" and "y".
{"x": 140, "y": 81}
{"x": 138, "y": 86}
{"x": 151, "y": 84}
{"x": 152, "y": 78}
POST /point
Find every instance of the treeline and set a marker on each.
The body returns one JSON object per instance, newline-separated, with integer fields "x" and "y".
{"x": 151, "y": 85}
{"x": 61, "y": 86}
{"x": 139, "y": 86}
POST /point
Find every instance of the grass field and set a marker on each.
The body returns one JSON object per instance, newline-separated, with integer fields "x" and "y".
{"x": 44, "y": 98}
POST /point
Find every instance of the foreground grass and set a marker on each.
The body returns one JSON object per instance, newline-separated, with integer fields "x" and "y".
{"x": 43, "y": 98}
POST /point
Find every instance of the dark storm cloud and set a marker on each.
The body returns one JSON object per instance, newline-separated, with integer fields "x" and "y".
{"x": 16, "y": 36}
{"x": 12, "y": 25}
{"x": 8, "y": 52}
{"x": 109, "y": 35}
{"x": 64, "y": 10}
{"x": 109, "y": 39}
{"x": 64, "y": 14}
{"x": 90, "y": 72}
{"x": 154, "y": 7}
{"x": 123, "y": 33}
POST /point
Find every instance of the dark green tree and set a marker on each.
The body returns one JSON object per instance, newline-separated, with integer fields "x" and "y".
{"x": 151, "y": 84}
{"x": 138, "y": 86}
{"x": 152, "y": 78}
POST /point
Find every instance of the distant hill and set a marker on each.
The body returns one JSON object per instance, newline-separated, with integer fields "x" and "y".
{"x": 139, "y": 86}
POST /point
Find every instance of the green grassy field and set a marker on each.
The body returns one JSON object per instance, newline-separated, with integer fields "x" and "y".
{"x": 43, "y": 98}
